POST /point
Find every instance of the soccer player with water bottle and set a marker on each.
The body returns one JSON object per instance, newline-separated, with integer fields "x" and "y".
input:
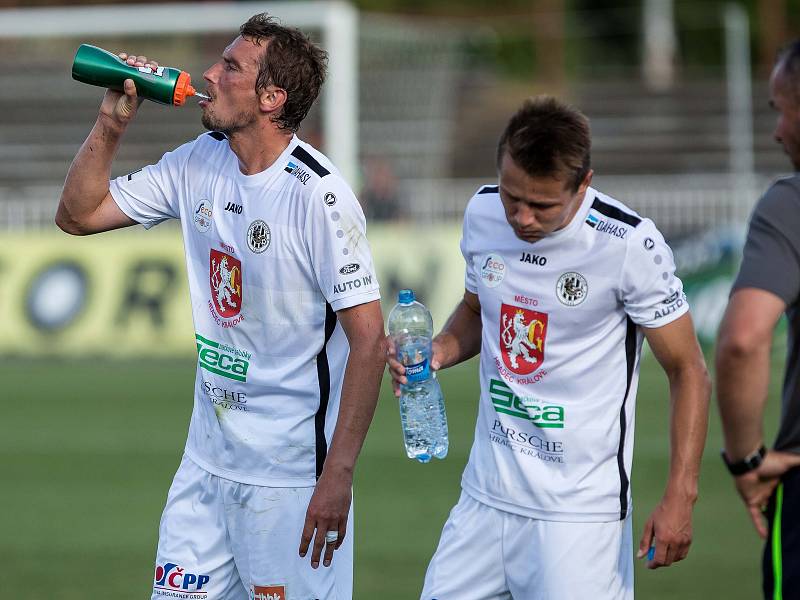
{"x": 289, "y": 329}
{"x": 563, "y": 284}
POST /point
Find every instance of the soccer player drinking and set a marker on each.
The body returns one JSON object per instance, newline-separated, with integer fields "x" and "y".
{"x": 563, "y": 284}
{"x": 287, "y": 317}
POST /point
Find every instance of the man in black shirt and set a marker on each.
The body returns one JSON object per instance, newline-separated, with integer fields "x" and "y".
{"x": 768, "y": 285}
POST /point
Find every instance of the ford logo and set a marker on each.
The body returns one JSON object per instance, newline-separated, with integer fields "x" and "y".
{"x": 348, "y": 269}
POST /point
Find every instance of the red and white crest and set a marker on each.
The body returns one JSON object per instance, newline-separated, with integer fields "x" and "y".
{"x": 522, "y": 337}
{"x": 225, "y": 277}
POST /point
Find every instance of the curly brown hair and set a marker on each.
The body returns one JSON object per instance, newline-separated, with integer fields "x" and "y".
{"x": 291, "y": 62}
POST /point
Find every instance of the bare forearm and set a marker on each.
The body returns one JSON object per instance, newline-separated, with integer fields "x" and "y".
{"x": 690, "y": 391}
{"x": 362, "y": 381}
{"x": 87, "y": 180}
{"x": 460, "y": 339}
{"x": 742, "y": 388}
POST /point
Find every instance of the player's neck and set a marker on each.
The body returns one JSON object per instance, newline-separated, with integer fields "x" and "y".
{"x": 257, "y": 151}
{"x": 576, "y": 206}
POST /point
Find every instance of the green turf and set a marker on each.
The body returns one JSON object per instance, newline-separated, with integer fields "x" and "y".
{"x": 88, "y": 449}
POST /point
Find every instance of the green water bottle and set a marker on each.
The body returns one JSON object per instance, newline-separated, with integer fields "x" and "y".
{"x": 165, "y": 85}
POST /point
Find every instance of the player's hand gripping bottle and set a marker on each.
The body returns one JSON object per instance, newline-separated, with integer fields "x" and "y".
{"x": 422, "y": 413}
{"x": 165, "y": 85}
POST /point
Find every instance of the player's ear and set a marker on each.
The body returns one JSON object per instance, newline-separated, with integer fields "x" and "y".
{"x": 584, "y": 185}
{"x": 271, "y": 99}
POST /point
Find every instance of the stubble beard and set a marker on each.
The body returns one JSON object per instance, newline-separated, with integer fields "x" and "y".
{"x": 228, "y": 127}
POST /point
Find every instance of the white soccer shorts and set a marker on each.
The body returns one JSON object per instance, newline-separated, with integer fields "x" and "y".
{"x": 488, "y": 554}
{"x": 224, "y": 540}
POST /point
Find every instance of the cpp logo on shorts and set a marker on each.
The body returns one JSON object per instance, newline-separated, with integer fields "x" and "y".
{"x": 267, "y": 592}
{"x": 173, "y": 577}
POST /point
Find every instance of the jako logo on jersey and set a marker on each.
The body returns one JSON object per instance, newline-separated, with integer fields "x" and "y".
{"x": 572, "y": 288}
{"x": 174, "y": 577}
{"x": 329, "y": 198}
{"x": 222, "y": 359}
{"x": 203, "y": 211}
{"x": 522, "y": 336}
{"x": 349, "y": 269}
{"x": 300, "y": 173}
{"x": 533, "y": 259}
{"x": 225, "y": 278}
{"x": 493, "y": 270}
{"x": 267, "y": 592}
{"x": 353, "y": 284}
{"x": 530, "y": 409}
{"x": 234, "y": 208}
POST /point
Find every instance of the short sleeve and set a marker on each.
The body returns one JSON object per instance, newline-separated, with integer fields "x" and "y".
{"x": 470, "y": 278}
{"x": 340, "y": 254}
{"x": 150, "y": 195}
{"x": 652, "y": 294}
{"x": 771, "y": 257}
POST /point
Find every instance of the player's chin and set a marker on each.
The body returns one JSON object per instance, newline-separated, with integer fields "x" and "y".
{"x": 529, "y": 236}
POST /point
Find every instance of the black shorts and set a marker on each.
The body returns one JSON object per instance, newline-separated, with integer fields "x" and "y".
{"x": 781, "y": 562}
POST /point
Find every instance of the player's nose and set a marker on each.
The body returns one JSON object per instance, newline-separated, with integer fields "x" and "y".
{"x": 525, "y": 217}
{"x": 210, "y": 74}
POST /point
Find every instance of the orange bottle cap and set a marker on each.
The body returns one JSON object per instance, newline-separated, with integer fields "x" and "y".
{"x": 183, "y": 89}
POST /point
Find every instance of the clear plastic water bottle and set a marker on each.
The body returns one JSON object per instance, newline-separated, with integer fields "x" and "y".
{"x": 422, "y": 413}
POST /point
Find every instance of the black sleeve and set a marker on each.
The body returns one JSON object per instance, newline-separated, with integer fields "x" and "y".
{"x": 771, "y": 259}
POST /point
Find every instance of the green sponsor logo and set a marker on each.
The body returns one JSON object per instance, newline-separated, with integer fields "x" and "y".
{"x": 222, "y": 359}
{"x": 530, "y": 409}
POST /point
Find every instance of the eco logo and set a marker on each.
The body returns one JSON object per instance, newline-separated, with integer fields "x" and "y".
{"x": 544, "y": 416}
{"x": 225, "y": 277}
{"x": 493, "y": 270}
{"x": 522, "y": 337}
{"x": 222, "y": 359}
{"x": 203, "y": 211}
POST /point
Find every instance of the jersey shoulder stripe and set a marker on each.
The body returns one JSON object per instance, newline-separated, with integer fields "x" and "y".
{"x": 489, "y": 189}
{"x": 217, "y": 135}
{"x": 302, "y": 155}
{"x": 612, "y": 212}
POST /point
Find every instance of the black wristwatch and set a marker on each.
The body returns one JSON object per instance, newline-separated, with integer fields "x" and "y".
{"x": 747, "y": 464}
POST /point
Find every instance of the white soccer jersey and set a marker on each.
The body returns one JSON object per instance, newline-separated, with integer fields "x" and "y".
{"x": 270, "y": 258}
{"x": 560, "y": 352}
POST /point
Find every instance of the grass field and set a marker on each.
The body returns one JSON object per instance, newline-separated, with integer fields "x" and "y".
{"x": 88, "y": 450}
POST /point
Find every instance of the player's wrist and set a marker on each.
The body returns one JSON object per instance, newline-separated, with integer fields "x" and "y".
{"x": 338, "y": 468}
{"x": 683, "y": 489}
{"x": 746, "y": 464}
{"x": 111, "y": 125}
{"x": 445, "y": 349}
